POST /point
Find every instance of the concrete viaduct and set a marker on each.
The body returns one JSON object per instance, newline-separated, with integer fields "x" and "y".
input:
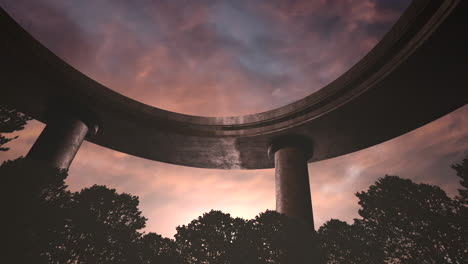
{"x": 417, "y": 73}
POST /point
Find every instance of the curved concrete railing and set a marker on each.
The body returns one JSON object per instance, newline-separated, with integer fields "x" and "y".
{"x": 414, "y": 75}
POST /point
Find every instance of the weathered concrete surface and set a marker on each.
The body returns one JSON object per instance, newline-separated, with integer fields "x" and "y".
{"x": 292, "y": 179}
{"x": 59, "y": 142}
{"x": 416, "y": 74}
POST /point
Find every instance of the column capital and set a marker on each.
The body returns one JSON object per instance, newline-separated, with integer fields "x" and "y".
{"x": 60, "y": 108}
{"x": 296, "y": 141}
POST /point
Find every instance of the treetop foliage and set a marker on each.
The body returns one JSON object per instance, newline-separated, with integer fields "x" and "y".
{"x": 462, "y": 172}
{"x": 10, "y": 121}
{"x": 402, "y": 222}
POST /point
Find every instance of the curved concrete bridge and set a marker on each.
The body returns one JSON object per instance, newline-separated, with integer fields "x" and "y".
{"x": 415, "y": 74}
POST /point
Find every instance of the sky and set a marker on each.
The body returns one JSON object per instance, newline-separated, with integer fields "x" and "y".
{"x": 228, "y": 58}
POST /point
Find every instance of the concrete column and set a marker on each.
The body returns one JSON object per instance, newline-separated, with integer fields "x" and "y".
{"x": 59, "y": 142}
{"x": 292, "y": 178}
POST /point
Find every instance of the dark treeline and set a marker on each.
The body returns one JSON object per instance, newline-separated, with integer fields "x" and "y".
{"x": 401, "y": 222}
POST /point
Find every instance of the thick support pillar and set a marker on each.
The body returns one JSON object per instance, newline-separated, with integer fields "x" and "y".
{"x": 59, "y": 142}
{"x": 292, "y": 178}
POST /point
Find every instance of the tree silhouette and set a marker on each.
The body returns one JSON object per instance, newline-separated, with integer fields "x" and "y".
{"x": 402, "y": 222}
{"x": 210, "y": 238}
{"x": 10, "y": 121}
{"x": 48, "y": 224}
{"x": 415, "y": 223}
{"x": 35, "y": 199}
{"x": 280, "y": 239}
{"x": 353, "y": 244}
{"x": 153, "y": 248}
{"x": 271, "y": 237}
{"x": 103, "y": 227}
{"x": 462, "y": 199}
{"x": 462, "y": 172}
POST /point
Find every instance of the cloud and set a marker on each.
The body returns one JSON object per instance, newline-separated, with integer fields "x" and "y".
{"x": 55, "y": 29}
{"x": 207, "y": 57}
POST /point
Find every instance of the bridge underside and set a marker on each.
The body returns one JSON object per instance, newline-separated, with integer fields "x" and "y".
{"x": 417, "y": 73}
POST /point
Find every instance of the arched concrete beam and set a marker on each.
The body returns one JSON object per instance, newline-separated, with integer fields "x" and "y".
{"x": 415, "y": 74}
